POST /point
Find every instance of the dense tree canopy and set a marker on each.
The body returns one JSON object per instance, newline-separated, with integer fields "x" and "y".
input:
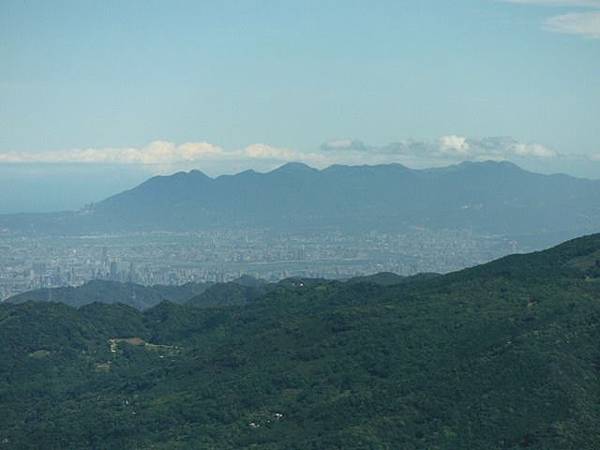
{"x": 503, "y": 355}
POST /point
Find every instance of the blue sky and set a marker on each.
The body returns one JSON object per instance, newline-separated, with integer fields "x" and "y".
{"x": 228, "y": 85}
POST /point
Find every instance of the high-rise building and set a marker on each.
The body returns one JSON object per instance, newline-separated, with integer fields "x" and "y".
{"x": 131, "y": 277}
{"x": 114, "y": 271}
{"x": 105, "y": 262}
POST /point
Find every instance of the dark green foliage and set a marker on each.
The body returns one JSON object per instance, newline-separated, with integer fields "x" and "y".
{"x": 101, "y": 291}
{"x": 231, "y": 293}
{"x": 181, "y": 294}
{"x": 501, "y": 356}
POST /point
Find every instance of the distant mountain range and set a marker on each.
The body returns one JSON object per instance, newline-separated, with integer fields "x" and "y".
{"x": 486, "y": 197}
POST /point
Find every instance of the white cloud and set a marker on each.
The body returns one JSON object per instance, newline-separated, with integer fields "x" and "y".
{"x": 164, "y": 156}
{"x": 158, "y": 152}
{"x": 195, "y": 150}
{"x": 583, "y": 24}
{"x": 534, "y": 150}
{"x": 165, "y": 153}
{"x": 495, "y": 148}
{"x": 454, "y": 145}
{"x": 343, "y": 144}
{"x": 453, "y": 148}
{"x": 262, "y": 151}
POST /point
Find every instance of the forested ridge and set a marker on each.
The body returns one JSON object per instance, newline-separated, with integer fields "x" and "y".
{"x": 500, "y": 356}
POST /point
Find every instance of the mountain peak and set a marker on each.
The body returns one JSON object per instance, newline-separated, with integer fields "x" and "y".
{"x": 491, "y": 164}
{"x": 197, "y": 173}
{"x": 294, "y": 167}
{"x": 192, "y": 175}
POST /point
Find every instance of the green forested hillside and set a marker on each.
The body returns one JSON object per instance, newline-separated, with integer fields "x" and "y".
{"x": 501, "y": 356}
{"x": 232, "y": 293}
{"x": 103, "y": 291}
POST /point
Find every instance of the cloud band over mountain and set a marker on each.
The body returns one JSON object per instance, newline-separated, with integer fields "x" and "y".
{"x": 415, "y": 153}
{"x": 446, "y": 148}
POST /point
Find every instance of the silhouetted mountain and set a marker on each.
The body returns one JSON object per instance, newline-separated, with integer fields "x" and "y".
{"x": 390, "y": 279}
{"x": 181, "y": 293}
{"x": 493, "y": 197}
{"x": 250, "y": 281}
{"x": 382, "y": 279}
{"x": 487, "y": 197}
{"x": 101, "y": 291}
{"x": 503, "y": 355}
